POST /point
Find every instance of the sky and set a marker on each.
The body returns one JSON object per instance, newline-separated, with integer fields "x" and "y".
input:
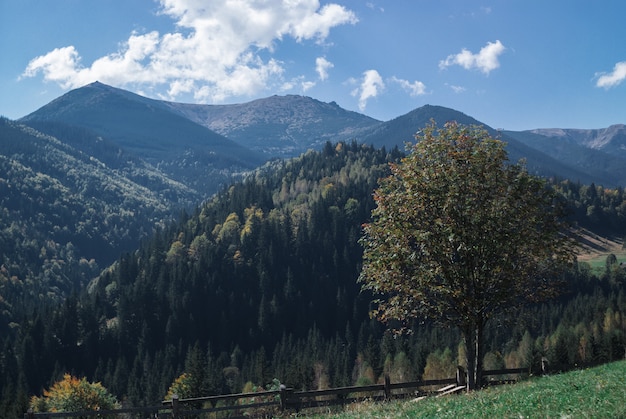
{"x": 511, "y": 64}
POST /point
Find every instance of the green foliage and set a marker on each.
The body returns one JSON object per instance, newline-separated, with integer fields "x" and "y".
{"x": 440, "y": 364}
{"x": 598, "y": 208}
{"x": 72, "y": 395}
{"x": 459, "y": 236}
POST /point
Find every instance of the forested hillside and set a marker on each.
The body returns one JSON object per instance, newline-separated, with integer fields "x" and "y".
{"x": 65, "y": 214}
{"x": 260, "y": 283}
{"x": 147, "y": 130}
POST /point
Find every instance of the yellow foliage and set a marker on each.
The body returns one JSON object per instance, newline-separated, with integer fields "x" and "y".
{"x": 73, "y": 394}
{"x": 176, "y": 252}
{"x": 180, "y": 387}
{"x": 440, "y": 365}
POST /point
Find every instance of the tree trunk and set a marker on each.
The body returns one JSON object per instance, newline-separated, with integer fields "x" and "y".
{"x": 473, "y": 338}
{"x": 479, "y": 354}
{"x": 470, "y": 355}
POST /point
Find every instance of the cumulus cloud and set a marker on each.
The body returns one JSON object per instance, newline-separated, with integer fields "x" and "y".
{"x": 486, "y": 60}
{"x": 417, "y": 88}
{"x": 215, "y": 53}
{"x": 371, "y": 85}
{"x": 614, "y": 78}
{"x": 322, "y": 65}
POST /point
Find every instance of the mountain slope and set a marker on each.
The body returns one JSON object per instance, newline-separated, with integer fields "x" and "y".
{"x": 64, "y": 213}
{"x": 403, "y": 128}
{"x": 600, "y": 153}
{"x": 609, "y": 140}
{"x": 282, "y": 126}
{"x": 147, "y": 129}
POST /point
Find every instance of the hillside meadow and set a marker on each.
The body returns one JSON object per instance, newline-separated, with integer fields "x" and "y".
{"x": 589, "y": 393}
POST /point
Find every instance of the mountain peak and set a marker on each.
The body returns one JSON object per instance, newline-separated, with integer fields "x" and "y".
{"x": 279, "y": 126}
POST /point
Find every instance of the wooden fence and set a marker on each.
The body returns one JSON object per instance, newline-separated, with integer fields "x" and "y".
{"x": 270, "y": 403}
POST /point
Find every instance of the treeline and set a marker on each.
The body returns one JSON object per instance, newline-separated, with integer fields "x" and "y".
{"x": 260, "y": 283}
{"x": 602, "y": 210}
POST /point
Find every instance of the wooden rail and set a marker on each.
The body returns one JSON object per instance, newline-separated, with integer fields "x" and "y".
{"x": 287, "y": 399}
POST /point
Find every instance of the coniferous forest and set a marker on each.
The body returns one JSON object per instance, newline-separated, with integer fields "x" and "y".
{"x": 260, "y": 283}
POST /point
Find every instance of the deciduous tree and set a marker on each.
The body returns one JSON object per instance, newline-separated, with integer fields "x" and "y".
{"x": 459, "y": 235}
{"x": 73, "y": 395}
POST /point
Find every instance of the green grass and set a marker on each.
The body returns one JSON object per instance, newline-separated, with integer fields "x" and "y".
{"x": 599, "y": 263}
{"x": 591, "y": 393}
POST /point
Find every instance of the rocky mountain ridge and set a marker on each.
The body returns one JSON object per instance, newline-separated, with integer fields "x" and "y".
{"x": 279, "y": 126}
{"x": 611, "y": 139}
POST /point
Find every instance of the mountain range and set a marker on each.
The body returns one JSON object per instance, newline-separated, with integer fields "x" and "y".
{"x": 99, "y": 167}
{"x": 202, "y": 146}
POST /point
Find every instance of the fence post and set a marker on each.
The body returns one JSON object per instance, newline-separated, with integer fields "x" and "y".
{"x": 460, "y": 376}
{"x": 175, "y": 406}
{"x": 545, "y": 365}
{"x": 387, "y": 387}
{"x": 283, "y": 397}
{"x": 29, "y": 414}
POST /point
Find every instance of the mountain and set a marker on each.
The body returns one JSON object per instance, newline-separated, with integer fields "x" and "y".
{"x": 599, "y": 152}
{"x": 279, "y": 126}
{"x": 609, "y": 140}
{"x": 64, "y": 213}
{"x": 402, "y": 129}
{"x": 146, "y": 129}
{"x": 203, "y": 146}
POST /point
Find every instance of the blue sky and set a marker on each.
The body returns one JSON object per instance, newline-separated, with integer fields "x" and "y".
{"x": 510, "y": 64}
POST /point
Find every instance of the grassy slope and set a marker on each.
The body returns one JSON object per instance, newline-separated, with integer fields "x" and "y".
{"x": 591, "y": 393}
{"x": 594, "y": 249}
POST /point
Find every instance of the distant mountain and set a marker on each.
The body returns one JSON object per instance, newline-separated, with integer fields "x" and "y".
{"x": 609, "y": 140}
{"x": 149, "y": 130}
{"x": 204, "y": 146}
{"x": 279, "y": 126}
{"x": 601, "y": 153}
{"x": 402, "y": 129}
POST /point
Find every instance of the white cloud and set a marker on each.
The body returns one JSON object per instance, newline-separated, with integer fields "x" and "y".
{"x": 58, "y": 65}
{"x": 213, "y": 55}
{"x": 612, "y": 79}
{"x": 322, "y": 65}
{"x": 417, "y": 88}
{"x": 306, "y": 85}
{"x": 371, "y": 5}
{"x": 485, "y": 61}
{"x": 456, "y": 89}
{"x": 371, "y": 86}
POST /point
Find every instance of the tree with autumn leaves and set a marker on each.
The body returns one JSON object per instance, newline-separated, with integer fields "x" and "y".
{"x": 74, "y": 395}
{"x": 460, "y": 235}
